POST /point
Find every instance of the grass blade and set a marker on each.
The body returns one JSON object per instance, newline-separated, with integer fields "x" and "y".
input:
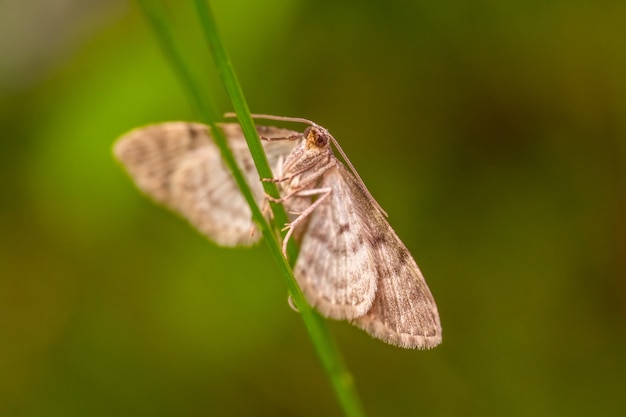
{"x": 341, "y": 380}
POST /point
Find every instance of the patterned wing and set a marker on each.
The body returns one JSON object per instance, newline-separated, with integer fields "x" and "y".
{"x": 153, "y": 153}
{"x": 335, "y": 269}
{"x": 178, "y": 165}
{"x": 352, "y": 265}
{"x": 404, "y": 312}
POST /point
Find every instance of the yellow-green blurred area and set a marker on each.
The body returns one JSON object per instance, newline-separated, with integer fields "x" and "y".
{"x": 492, "y": 132}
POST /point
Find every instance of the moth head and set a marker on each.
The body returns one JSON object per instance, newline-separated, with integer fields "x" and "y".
{"x": 316, "y": 137}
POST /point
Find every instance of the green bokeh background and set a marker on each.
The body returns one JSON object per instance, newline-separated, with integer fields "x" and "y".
{"x": 494, "y": 134}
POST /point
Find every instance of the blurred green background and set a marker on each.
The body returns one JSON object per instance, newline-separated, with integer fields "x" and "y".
{"x": 494, "y": 134}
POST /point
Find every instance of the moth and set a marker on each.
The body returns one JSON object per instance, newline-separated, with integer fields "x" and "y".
{"x": 351, "y": 264}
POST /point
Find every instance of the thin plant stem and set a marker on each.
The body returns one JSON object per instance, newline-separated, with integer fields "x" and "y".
{"x": 341, "y": 379}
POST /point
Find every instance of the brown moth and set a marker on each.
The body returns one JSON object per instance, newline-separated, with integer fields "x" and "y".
{"x": 351, "y": 265}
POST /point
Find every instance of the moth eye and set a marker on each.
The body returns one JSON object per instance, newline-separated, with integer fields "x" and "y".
{"x": 321, "y": 140}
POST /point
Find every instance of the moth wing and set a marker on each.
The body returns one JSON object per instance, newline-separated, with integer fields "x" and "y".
{"x": 404, "y": 312}
{"x": 151, "y": 154}
{"x": 178, "y": 165}
{"x": 335, "y": 269}
{"x": 208, "y": 196}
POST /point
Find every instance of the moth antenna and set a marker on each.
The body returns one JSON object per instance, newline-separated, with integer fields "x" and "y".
{"x": 230, "y": 115}
{"x": 341, "y": 152}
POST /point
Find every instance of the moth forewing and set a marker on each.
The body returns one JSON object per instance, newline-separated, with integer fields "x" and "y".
{"x": 404, "y": 312}
{"x": 152, "y": 153}
{"x": 179, "y": 165}
{"x": 351, "y": 264}
{"x": 335, "y": 268}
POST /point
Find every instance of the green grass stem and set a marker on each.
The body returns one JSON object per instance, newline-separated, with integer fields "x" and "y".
{"x": 341, "y": 379}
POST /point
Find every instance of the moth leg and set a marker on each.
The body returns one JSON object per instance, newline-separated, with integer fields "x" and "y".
{"x": 290, "y": 227}
{"x": 285, "y": 198}
{"x": 276, "y": 179}
{"x": 292, "y": 137}
{"x": 287, "y": 178}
